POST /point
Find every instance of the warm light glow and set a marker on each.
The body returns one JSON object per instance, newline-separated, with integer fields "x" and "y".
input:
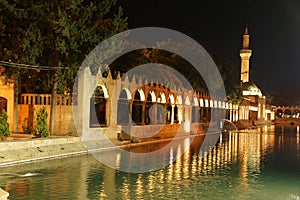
{"x": 187, "y": 101}
{"x": 253, "y": 108}
{"x": 104, "y": 91}
{"x": 179, "y": 100}
{"x": 206, "y": 103}
{"x": 195, "y": 101}
{"x": 162, "y": 98}
{"x": 142, "y": 94}
{"x": 252, "y": 93}
{"x": 215, "y": 104}
{"x": 128, "y": 93}
{"x": 211, "y": 103}
{"x": 224, "y": 105}
{"x": 219, "y": 104}
{"x": 201, "y": 102}
{"x": 187, "y": 126}
{"x": 172, "y": 100}
{"x": 118, "y": 160}
{"x": 153, "y": 97}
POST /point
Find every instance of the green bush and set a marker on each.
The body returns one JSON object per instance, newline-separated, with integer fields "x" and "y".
{"x": 27, "y": 128}
{"x": 4, "y": 126}
{"x": 42, "y": 129}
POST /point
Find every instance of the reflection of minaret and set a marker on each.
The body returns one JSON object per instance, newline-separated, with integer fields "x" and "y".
{"x": 245, "y": 54}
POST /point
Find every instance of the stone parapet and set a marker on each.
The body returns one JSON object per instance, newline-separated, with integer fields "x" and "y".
{"x": 14, "y": 152}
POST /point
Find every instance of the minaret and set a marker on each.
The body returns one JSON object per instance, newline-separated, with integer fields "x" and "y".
{"x": 245, "y": 54}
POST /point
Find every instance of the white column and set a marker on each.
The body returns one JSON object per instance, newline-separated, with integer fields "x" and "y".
{"x": 172, "y": 114}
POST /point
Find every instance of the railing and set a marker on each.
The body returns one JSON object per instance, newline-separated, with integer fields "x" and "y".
{"x": 45, "y": 99}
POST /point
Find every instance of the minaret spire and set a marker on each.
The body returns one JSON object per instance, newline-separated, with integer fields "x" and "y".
{"x": 245, "y": 54}
{"x": 246, "y": 30}
{"x": 246, "y": 37}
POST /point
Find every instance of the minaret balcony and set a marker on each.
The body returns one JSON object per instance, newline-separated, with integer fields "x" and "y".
{"x": 245, "y": 51}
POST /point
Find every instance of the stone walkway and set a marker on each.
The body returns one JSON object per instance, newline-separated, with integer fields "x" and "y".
{"x": 23, "y": 148}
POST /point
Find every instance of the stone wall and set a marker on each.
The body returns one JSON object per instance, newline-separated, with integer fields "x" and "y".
{"x": 64, "y": 124}
{"x": 7, "y": 92}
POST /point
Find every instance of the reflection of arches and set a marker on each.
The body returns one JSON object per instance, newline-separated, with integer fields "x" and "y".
{"x": 123, "y": 107}
{"x": 98, "y": 107}
{"x": 3, "y": 104}
{"x": 279, "y": 113}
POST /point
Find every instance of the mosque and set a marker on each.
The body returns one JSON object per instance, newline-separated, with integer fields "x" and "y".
{"x": 254, "y": 111}
{"x": 182, "y": 107}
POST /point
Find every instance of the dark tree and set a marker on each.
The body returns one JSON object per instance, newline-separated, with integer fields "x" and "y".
{"x": 57, "y": 33}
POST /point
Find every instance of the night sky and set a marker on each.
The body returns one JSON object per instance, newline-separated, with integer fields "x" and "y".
{"x": 274, "y": 28}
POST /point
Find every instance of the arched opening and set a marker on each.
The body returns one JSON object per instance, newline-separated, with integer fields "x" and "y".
{"x": 149, "y": 102}
{"x": 279, "y": 113}
{"x": 296, "y": 114}
{"x": 98, "y": 108}
{"x": 205, "y": 111}
{"x": 137, "y": 109}
{"x": 287, "y": 113}
{"x": 161, "y": 109}
{"x": 195, "y": 111}
{"x": 171, "y": 110}
{"x": 123, "y": 108}
{"x": 3, "y": 104}
{"x": 179, "y": 110}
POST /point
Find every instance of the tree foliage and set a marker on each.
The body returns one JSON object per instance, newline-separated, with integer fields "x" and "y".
{"x": 56, "y": 33}
{"x": 231, "y": 77}
{"x": 4, "y": 126}
{"x": 42, "y": 129}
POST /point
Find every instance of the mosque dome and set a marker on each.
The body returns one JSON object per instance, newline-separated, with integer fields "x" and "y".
{"x": 250, "y": 89}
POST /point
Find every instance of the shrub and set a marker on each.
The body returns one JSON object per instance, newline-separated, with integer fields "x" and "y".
{"x": 4, "y": 126}
{"x": 27, "y": 129}
{"x": 42, "y": 123}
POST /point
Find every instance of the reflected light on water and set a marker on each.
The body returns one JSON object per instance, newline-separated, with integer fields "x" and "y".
{"x": 118, "y": 160}
{"x": 240, "y": 166}
{"x": 297, "y": 136}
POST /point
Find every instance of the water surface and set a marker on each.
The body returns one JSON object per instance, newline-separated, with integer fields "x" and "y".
{"x": 253, "y": 164}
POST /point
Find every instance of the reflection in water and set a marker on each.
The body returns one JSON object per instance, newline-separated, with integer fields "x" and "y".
{"x": 260, "y": 164}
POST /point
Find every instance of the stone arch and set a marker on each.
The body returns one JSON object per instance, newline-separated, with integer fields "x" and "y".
{"x": 296, "y": 113}
{"x": 152, "y": 96}
{"x": 123, "y": 113}
{"x": 201, "y": 109}
{"x": 171, "y": 98}
{"x": 150, "y": 100}
{"x": 279, "y": 113}
{"x": 195, "y": 110}
{"x": 287, "y": 113}
{"x": 161, "y": 108}
{"x": 137, "y": 107}
{"x": 179, "y": 100}
{"x": 162, "y": 98}
{"x": 3, "y": 104}
{"x": 98, "y": 107}
{"x": 171, "y": 109}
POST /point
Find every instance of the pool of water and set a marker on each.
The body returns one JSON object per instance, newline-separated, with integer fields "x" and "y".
{"x": 255, "y": 164}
